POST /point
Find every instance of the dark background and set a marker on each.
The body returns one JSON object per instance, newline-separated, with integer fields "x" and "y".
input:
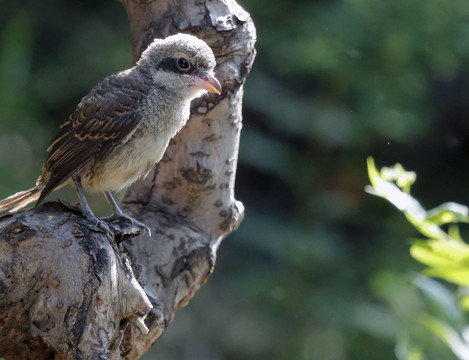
{"x": 319, "y": 269}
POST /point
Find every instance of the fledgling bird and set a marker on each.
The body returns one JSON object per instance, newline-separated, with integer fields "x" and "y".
{"x": 122, "y": 127}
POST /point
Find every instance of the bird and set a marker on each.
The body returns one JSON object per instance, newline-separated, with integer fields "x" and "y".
{"x": 122, "y": 127}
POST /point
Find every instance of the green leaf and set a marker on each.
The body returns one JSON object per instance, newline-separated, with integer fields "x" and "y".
{"x": 441, "y": 253}
{"x": 412, "y": 209}
{"x": 453, "y": 232}
{"x": 448, "y": 335}
{"x": 427, "y": 228}
{"x": 459, "y": 276}
{"x": 441, "y": 298}
{"x": 393, "y": 194}
{"x": 373, "y": 173}
{"x": 407, "y": 351}
{"x": 464, "y": 301}
{"x": 425, "y": 254}
{"x": 449, "y": 212}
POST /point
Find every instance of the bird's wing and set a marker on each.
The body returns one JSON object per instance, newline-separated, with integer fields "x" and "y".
{"x": 102, "y": 121}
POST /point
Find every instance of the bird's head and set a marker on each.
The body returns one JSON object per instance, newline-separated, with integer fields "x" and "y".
{"x": 182, "y": 63}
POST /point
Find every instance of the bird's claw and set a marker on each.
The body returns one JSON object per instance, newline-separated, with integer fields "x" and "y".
{"x": 119, "y": 216}
{"x": 104, "y": 227}
{"x": 140, "y": 225}
{"x": 101, "y": 226}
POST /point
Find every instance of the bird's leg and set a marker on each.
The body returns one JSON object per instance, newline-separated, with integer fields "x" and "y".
{"x": 118, "y": 212}
{"x": 86, "y": 211}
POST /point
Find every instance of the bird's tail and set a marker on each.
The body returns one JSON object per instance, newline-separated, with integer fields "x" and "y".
{"x": 21, "y": 199}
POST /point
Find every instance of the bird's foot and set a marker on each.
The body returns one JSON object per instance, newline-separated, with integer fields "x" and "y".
{"x": 136, "y": 227}
{"x": 104, "y": 227}
{"x": 99, "y": 225}
{"x": 93, "y": 223}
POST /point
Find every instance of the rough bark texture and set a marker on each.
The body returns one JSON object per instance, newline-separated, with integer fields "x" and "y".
{"x": 68, "y": 292}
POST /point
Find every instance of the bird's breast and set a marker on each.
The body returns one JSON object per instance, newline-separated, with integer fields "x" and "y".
{"x": 139, "y": 153}
{"x": 125, "y": 165}
{"x": 166, "y": 111}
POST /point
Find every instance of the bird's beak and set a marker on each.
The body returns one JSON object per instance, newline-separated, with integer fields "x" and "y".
{"x": 207, "y": 82}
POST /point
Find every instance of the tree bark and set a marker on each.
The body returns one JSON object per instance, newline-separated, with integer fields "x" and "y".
{"x": 69, "y": 292}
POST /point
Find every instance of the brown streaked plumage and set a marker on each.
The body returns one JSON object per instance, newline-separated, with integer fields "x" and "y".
{"x": 122, "y": 127}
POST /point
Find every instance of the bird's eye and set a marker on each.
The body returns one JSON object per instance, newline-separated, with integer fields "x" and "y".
{"x": 183, "y": 64}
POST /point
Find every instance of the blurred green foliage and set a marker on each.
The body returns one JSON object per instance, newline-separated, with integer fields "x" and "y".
{"x": 444, "y": 252}
{"x": 318, "y": 269}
